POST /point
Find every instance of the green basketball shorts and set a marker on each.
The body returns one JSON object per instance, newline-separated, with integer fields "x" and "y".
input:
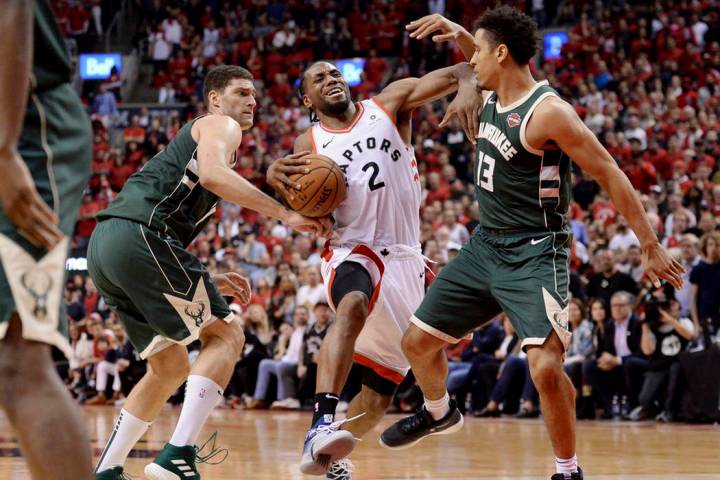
{"x": 55, "y": 144}
{"x": 161, "y": 292}
{"x": 525, "y": 274}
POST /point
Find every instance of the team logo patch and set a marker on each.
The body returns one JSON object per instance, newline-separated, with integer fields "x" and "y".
{"x": 514, "y": 120}
{"x": 38, "y": 285}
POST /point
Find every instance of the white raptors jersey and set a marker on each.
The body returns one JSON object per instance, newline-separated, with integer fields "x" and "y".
{"x": 382, "y": 207}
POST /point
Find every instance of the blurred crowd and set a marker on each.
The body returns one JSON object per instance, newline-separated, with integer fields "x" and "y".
{"x": 645, "y": 80}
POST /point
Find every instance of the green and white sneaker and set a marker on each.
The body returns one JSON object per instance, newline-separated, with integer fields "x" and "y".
{"x": 115, "y": 473}
{"x": 178, "y": 463}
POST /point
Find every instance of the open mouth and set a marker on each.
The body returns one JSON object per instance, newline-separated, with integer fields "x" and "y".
{"x": 334, "y": 92}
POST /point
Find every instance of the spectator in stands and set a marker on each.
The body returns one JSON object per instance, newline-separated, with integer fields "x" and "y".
{"x": 582, "y": 347}
{"x": 690, "y": 257}
{"x": 481, "y": 349}
{"x": 599, "y": 316}
{"x": 664, "y": 336}
{"x": 307, "y": 366}
{"x": 312, "y": 291}
{"x": 283, "y": 366}
{"x": 705, "y": 286}
{"x": 104, "y": 105}
{"x": 633, "y": 263}
{"x": 617, "y": 372}
{"x": 608, "y": 280}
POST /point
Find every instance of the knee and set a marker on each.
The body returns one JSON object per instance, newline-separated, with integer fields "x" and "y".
{"x": 374, "y": 403}
{"x": 546, "y": 372}
{"x": 417, "y": 343}
{"x": 352, "y": 312}
{"x": 171, "y": 364}
{"x": 230, "y": 337}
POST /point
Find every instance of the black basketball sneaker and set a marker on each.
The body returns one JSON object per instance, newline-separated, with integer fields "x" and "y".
{"x": 574, "y": 476}
{"x": 410, "y": 430}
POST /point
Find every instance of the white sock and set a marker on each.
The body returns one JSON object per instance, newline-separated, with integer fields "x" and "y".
{"x": 438, "y": 408}
{"x": 126, "y": 434}
{"x": 567, "y": 466}
{"x": 201, "y": 396}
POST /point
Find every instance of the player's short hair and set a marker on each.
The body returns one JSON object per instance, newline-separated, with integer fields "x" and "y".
{"x": 508, "y": 26}
{"x": 218, "y": 78}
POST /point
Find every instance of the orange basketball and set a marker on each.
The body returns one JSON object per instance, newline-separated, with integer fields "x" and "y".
{"x": 322, "y": 188}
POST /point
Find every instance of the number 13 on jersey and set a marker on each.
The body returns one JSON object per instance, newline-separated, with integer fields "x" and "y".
{"x": 485, "y": 169}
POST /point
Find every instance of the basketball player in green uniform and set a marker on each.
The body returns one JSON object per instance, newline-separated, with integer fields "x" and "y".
{"x": 45, "y": 158}
{"x": 163, "y": 295}
{"x": 517, "y": 260}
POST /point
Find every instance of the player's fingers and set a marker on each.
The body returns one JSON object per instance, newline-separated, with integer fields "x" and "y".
{"x": 424, "y": 31}
{"x": 44, "y": 210}
{"x": 446, "y": 37}
{"x": 292, "y": 162}
{"x": 448, "y": 115}
{"x": 675, "y": 278}
{"x": 299, "y": 154}
{"x": 296, "y": 169}
{"x": 653, "y": 278}
{"x": 474, "y": 119}
{"x": 469, "y": 122}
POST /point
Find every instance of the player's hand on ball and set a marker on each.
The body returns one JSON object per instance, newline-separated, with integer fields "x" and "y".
{"x": 429, "y": 24}
{"x": 278, "y": 174}
{"x": 466, "y": 105}
{"x": 23, "y": 205}
{"x": 233, "y": 284}
{"x": 658, "y": 264}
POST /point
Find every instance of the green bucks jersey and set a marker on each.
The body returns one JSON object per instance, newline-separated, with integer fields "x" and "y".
{"x": 519, "y": 187}
{"x": 51, "y": 64}
{"x": 166, "y": 194}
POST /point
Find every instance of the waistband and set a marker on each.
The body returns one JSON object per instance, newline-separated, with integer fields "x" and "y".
{"x": 516, "y": 232}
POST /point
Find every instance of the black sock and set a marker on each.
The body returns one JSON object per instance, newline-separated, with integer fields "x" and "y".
{"x": 325, "y": 404}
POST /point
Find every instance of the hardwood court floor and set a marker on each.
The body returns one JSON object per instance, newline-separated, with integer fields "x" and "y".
{"x": 266, "y": 445}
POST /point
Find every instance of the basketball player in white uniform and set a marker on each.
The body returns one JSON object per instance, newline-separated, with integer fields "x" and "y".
{"x": 372, "y": 267}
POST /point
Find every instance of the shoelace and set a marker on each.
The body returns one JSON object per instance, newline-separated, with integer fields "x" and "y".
{"x": 335, "y": 426}
{"x": 414, "y": 422}
{"x": 340, "y": 469}
{"x": 214, "y": 451}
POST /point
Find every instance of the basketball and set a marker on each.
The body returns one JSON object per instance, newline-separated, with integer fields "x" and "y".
{"x": 322, "y": 188}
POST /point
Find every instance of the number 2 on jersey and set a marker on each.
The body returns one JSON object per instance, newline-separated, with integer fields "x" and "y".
{"x": 485, "y": 169}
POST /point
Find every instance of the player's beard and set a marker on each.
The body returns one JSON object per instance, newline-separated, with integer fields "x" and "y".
{"x": 338, "y": 108}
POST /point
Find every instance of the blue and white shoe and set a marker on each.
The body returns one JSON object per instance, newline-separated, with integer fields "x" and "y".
{"x": 324, "y": 444}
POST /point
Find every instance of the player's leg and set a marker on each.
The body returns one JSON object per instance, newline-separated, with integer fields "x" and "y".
{"x": 351, "y": 290}
{"x": 167, "y": 370}
{"x": 369, "y": 406}
{"x": 53, "y": 440}
{"x": 535, "y": 299}
{"x": 457, "y": 302}
{"x": 557, "y": 394}
{"x": 222, "y": 344}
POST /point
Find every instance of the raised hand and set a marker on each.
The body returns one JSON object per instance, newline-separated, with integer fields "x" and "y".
{"x": 422, "y": 27}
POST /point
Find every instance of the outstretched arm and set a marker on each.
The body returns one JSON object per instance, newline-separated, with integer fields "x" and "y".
{"x": 218, "y": 136}
{"x": 555, "y": 121}
{"x": 446, "y": 31}
{"x": 409, "y": 93}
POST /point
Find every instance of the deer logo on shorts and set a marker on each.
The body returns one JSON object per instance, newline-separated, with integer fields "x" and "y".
{"x": 196, "y": 315}
{"x": 38, "y": 285}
